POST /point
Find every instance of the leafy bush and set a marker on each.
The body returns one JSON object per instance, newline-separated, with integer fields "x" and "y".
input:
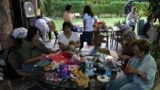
{"x": 56, "y": 8}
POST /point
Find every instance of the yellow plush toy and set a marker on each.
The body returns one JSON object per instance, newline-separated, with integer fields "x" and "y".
{"x": 82, "y": 79}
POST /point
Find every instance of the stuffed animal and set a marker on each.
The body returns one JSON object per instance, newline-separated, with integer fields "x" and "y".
{"x": 90, "y": 69}
{"x": 54, "y": 65}
{"x": 64, "y": 71}
{"x": 72, "y": 45}
{"x": 81, "y": 78}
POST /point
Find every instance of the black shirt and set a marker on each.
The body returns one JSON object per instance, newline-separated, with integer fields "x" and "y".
{"x": 146, "y": 27}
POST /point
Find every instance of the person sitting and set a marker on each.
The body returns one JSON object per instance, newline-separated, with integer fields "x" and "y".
{"x": 140, "y": 70}
{"x": 68, "y": 40}
{"x": 33, "y": 50}
{"x": 127, "y": 52}
{"x": 147, "y": 27}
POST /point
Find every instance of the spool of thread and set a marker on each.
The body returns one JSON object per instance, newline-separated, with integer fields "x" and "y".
{"x": 103, "y": 78}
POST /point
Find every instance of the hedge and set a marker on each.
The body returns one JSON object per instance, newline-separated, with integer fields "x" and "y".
{"x": 57, "y": 8}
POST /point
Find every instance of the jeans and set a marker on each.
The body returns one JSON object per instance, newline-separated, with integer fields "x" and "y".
{"x": 86, "y": 36}
{"x": 123, "y": 84}
{"x": 29, "y": 68}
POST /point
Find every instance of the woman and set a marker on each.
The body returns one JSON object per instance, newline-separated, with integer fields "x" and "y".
{"x": 132, "y": 18}
{"x": 88, "y": 23}
{"x": 43, "y": 27}
{"x": 68, "y": 40}
{"x": 140, "y": 70}
{"x": 33, "y": 50}
{"x": 52, "y": 26}
{"x": 127, "y": 52}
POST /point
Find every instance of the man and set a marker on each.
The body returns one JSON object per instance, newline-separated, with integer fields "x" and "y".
{"x": 68, "y": 16}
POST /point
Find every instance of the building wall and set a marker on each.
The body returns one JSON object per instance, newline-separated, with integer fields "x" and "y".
{"x": 6, "y": 28}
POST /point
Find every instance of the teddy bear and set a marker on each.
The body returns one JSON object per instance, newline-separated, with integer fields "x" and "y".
{"x": 81, "y": 78}
{"x": 72, "y": 45}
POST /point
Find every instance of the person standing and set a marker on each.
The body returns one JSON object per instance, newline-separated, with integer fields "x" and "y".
{"x": 52, "y": 26}
{"x": 46, "y": 25}
{"x": 89, "y": 21}
{"x": 68, "y": 16}
{"x": 132, "y": 18}
{"x": 128, "y": 7}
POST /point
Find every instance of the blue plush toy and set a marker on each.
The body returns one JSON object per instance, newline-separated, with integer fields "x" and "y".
{"x": 90, "y": 69}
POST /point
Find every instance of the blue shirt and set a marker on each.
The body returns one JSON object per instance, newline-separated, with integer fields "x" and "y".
{"x": 148, "y": 67}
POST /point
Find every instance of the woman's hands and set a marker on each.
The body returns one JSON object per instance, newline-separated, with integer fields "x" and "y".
{"x": 42, "y": 56}
{"x": 124, "y": 57}
{"x": 132, "y": 70}
{"x": 142, "y": 75}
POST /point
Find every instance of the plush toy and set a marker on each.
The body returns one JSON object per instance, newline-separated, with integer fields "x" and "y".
{"x": 64, "y": 71}
{"x": 54, "y": 65}
{"x": 81, "y": 78}
{"x": 72, "y": 45}
{"x": 90, "y": 69}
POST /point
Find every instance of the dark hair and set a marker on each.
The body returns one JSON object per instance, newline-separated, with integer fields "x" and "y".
{"x": 38, "y": 17}
{"x": 149, "y": 18}
{"x": 142, "y": 44}
{"x": 66, "y": 24}
{"x": 88, "y": 10}
{"x": 31, "y": 33}
{"x": 68, "y": 7}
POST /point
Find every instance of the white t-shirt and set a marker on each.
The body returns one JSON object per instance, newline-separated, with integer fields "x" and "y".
{"x": 131, "y": 19}
{"x": 47, "y": 19}
{"x": 62, "y": 38}
{"x": 89, "y": 22}
{"x": 42, "y": 25}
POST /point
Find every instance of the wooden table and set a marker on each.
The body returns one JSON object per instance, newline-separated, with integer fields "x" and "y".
{"x": 106, "y": 33}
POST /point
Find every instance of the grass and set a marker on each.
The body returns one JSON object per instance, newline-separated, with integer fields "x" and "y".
{"x": 79, "y": 21}
{"x": 109, "y": 21}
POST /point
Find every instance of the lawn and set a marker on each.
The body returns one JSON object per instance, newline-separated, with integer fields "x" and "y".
{"x": 78, "y": 21}
{"x": 109, "y": 22}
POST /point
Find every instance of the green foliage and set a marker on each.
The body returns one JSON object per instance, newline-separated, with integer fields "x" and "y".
{"x": 55, "y": 8}
{"x": 154, "y": 9}
{"x": 155, "y": 50}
